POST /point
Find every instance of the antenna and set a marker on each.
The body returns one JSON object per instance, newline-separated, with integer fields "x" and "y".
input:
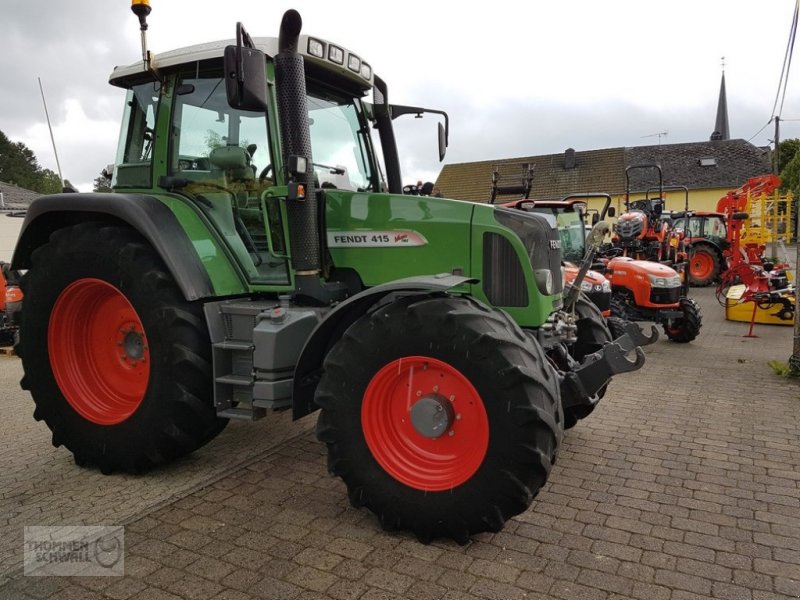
{"x": 659, "y": 135}
{"x": 52, "y": 139}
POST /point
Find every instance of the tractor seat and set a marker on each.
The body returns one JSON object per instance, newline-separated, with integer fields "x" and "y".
{"x": 234, "y": 161}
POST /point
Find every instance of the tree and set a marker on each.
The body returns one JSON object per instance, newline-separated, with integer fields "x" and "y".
{"x": 788, "y": 150}
{"x": 18, "y": 166}
{"x": 790, "y": 166}
{"x": 790, "y": 174}
{"x": 17, "y": 163}
{"x": 102, "y": 183}
{"x": 50, "y": 183}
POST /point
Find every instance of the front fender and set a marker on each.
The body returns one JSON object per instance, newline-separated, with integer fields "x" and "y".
{"x": 330, "y": 330}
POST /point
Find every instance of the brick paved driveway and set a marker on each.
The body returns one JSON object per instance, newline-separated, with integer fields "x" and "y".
{"x": 684, "y": 483}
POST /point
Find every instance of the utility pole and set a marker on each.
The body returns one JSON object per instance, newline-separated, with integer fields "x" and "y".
{"x": 776, "y": 171}
{"x": 794, "y": 360}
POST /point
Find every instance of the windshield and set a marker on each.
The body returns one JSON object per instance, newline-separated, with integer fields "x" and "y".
{"x": 340, "y": 143}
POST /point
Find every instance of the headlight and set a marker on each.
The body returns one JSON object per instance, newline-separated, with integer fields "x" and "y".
{"x": 353, "y": 63}
{"x": 316, "y": 48}
{"x": 336, "y": 54}
{"x": 544, "y": 280}
{"x": 366, "y": 70}
{"x": 665, "y": 282}
{"x": 586, "y": 286}
{"x": 606, "y": 286}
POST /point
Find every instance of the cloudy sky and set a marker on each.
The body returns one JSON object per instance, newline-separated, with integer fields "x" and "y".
{"x": 517, "y": 78}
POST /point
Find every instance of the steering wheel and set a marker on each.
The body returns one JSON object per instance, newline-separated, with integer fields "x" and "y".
{"x": 265, "y": 173}
{"x": 609, "y": 251}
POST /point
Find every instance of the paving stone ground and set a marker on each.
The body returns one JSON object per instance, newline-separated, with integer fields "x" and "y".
{"x": 683, "y": 484}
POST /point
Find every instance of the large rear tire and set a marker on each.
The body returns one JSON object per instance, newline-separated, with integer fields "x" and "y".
{"x": 117, "y": 362}
{"x": 704, "y": 265}
{"x": 686, "y": 328}
{"x": 440, "y": 415}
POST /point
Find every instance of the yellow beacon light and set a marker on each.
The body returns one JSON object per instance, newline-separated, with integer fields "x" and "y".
{"x": 141, "y": 8}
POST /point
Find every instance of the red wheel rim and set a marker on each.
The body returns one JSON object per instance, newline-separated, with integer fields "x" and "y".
{"x": 424, "y": 462}
{"x": 98, "y": 351}
{"x": 701, "y": 266}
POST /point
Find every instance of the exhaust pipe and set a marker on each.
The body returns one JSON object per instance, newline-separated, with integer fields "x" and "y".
{"x": 290, "y": 83}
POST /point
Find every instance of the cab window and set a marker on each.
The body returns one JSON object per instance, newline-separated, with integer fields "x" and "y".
{"x": 224, "y": 155}
{"x": 135, "y": 153}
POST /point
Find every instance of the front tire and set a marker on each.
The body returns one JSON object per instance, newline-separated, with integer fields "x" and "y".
{"x": 593, "y": 334}
{"x": 117, "y": 362}
{"x": 616, "y": 326}
{"x": 683, "y": 330}
{"x": 440, "y": 415}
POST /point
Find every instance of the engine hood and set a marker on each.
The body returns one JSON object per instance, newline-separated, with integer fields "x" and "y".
{"x": 645, "y": 267}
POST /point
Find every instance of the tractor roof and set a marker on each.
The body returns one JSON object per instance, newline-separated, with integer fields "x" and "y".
{"x": 122, "y": 76}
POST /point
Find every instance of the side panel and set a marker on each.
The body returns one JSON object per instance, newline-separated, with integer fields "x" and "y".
{"x": 387, "y": 237}
{"x": 181, "y": 239}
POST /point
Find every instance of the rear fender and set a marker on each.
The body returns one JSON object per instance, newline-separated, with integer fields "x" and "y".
{"x": 309, "y": 366}
{"x": 151, "y": 218}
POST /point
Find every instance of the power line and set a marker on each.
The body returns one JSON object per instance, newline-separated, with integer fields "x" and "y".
{"x": 787, "y": 63}
{"x": 760, "y": 130}
{"x": 780, "y": 94}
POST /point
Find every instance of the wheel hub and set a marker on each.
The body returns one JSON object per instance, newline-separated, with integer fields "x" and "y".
{"x": 425, "y": 423}
{"x": 432, "y": 415}
{"x": 132, "y": 345}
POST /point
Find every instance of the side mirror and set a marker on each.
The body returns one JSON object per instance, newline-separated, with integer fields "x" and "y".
{"x": 442, "y": 142}
{"x": 612, "y": 212}
{"x": 595, "y": 219}
{"x": 245, "y": 78}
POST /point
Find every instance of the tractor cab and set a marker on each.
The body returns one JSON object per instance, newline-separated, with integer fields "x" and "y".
{"x": 709, "y": 226}
{"x": 227, "y": 161}
{"x": 230, "y": 155}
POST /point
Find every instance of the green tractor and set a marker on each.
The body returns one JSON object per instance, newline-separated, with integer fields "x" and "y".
{"x": 253, "y": 257}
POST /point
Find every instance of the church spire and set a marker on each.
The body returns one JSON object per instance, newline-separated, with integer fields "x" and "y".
{"x": 721, "y": 130}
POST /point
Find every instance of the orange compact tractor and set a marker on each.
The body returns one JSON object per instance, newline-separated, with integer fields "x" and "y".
{"x": 644, "y": 231}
